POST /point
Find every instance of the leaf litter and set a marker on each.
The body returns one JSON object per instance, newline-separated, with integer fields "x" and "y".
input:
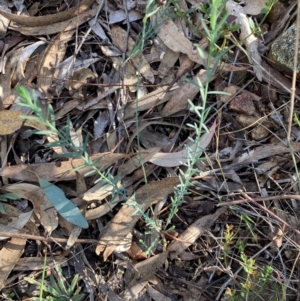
{"x": 131, "y": 116}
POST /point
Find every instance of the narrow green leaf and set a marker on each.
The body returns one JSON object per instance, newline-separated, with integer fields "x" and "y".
{"x": 63, "y": 205}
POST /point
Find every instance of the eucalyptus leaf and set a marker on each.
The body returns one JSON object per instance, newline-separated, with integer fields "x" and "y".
{"x": 63, "y": 205}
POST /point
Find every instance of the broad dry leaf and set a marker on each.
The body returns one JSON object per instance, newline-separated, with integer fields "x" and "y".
{"x": 254, "y": 7}
{"x": 188, "y": 90}
{"x": 9, "y": 256}
{"x": 156, "y": 295}
{"x": 11, "y": 59}
{"x": 158, "y": 96}
{"x": 62, "y": 171}
{"x": 277, "y": 79}
{"x": 15, "y": 224}
{"x": 135, "y": 162}
{"x": 52, "y": 56}
{"x": 4, "y": 22}
{"x": 192, "y": 233}
{"x": 266, "y": 151}
{"x": 23, "y": 58}
{"x": 124, "y": 221}
{"x": 144, "y": 271}
{"x": 168, "y": 61}
{"x": 10, "y": 122}
{"x": 43, "y": 208}
{"x": 119, "y": 36}
{"x": 181, "y": 157}
{"x": 175, "y": 39}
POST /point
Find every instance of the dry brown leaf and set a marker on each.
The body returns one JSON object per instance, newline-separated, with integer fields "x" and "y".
{"x": 181, "y": 157}
{"x": 43, "y": 208}
{"x": 156, "y": 295}
{"x": 10, "y": 122}
{"x": 267, "y": 151}
{"x": 277, "y": 79}
{"x": 158, "y": 96}
{"x": 175, "y": 39}
{"x": 145, "y": 270}
{"x": 124, "y": 221}
{"x": 62, "y": 171}
{"x": 254, "y": 7}
{"x": 119, "y": 36}
{"x": 9, "y": 256}
{"x": 51, "y": 57}
{"x": 5, "y": 79}
{"x": 135, "y": 162}
{"x": 192, "y": 233}
{"x": 15, "y": 223}
{"x": 179, "y": 100}
{"x": 168, "y": 61}
{"x": 136, "y": 253}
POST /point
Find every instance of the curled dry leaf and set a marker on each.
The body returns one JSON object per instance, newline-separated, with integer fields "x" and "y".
{"x": 246, "y": 35}
{"x": 48, "y": 19}
{"x": 23, "y": 58}
{"x": 56, "y": 27}
{"x": 41, "y": 204}
{"x": 9, "y": 256}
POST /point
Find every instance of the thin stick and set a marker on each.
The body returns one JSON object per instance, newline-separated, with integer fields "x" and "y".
{"x": 270, "y": 198}
{"x": 270, "y": 212}
{"x": 293, "y": 88}
{"x": 49, "y": 239}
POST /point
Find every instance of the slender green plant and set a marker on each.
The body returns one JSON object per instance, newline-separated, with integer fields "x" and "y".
{"x": 211, "y": 61}
{"x": 58, "y": 289}
{"x": 29, "y": 100}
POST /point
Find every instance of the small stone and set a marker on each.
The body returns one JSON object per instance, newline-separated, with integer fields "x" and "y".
{"x": 259, "y": 133}
{"x": 243, "y": 103}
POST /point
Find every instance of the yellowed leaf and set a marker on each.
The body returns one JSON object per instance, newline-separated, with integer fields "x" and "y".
{"x": 10, "y": 122}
